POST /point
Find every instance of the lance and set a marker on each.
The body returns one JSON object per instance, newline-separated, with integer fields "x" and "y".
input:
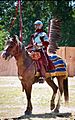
{"x": 20, "y": 9}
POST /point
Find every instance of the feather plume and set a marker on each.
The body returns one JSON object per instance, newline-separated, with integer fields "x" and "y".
{"x": 54, "y": 34}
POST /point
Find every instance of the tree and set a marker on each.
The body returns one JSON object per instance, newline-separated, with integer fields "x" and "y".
{"x": 3, "y": 35}
{"x": 44, "y": 10}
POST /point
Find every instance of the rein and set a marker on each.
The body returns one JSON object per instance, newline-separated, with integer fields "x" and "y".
{"x": 21, "y": 45}
{"x": 17, "y": 45}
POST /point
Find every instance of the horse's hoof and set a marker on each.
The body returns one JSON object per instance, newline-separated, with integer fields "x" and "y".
{"x": 28, "y": 112}
{"x": 56, "y": 111}
{"x": 52, "y": 106}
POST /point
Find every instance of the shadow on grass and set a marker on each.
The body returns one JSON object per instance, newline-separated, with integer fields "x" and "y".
{"x": 46, "y": 115}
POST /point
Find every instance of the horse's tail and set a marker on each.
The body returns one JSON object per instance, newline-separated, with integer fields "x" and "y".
{"x": 66, "y": 92}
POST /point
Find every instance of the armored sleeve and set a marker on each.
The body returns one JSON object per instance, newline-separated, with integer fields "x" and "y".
{"x": 44, "y": 39}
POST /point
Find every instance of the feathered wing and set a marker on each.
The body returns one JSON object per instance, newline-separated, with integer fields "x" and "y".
{"x": 54, "y": 34}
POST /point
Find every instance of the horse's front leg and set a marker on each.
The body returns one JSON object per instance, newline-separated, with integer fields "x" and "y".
{"x": 54, "y": 88}
{"x": 28, "y": 89}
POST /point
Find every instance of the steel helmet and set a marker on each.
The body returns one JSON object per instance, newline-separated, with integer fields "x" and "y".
{"x": 38, "y": 22}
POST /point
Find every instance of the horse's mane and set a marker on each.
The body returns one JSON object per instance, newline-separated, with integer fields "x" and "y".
{"x": 22, "y": 46}
{"x": 17, "y": 39}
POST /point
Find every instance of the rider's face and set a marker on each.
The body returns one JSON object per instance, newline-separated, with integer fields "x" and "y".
{"x": 37, "y": 26}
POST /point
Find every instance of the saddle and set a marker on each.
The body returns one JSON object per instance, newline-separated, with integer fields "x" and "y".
{"x": 45, "y": 59}
{"x": 35, "y": 55}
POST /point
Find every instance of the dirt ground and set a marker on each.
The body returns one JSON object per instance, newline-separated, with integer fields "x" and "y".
{"x": 13, "y": 101}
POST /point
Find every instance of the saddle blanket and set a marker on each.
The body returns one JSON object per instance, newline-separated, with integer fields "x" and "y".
{"x": 60, "y": 66}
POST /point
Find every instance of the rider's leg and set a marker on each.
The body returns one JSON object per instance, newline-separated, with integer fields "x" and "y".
{"x": 37, "y": 69}
{"x": 42, "y": 72}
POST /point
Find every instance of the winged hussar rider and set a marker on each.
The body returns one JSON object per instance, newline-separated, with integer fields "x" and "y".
{"x": 38, "y": 48}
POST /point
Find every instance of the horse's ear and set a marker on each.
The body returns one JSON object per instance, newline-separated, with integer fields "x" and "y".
{"x": 14, "y": 37}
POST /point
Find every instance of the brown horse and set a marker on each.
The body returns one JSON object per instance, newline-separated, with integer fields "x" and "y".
{"x": 26, "y": 74}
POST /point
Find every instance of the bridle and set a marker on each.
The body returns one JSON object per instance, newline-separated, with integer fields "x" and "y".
{"x": 16, "y": 46}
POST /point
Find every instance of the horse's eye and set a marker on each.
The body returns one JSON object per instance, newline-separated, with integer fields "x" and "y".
{"x": 8, "y": 42}
{"x": 11, "y": 46}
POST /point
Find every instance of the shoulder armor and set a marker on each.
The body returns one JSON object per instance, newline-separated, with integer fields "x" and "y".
{"x": 42, "y": 34}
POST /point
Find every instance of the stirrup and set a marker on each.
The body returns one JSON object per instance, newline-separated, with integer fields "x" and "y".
{"x": 41, "y": 79}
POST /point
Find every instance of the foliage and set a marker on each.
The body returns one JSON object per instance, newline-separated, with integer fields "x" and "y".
{"x": 3, "y": 35}
{"x": 43, "y": 10}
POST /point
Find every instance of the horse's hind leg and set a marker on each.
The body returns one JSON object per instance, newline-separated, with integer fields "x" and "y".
{"x": 60, "y": 85}
{"x": 54, "y": 88}
{"x": 28, "y": 89}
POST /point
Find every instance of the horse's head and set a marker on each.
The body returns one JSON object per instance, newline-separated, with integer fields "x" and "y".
{"x": 11, "y": 48}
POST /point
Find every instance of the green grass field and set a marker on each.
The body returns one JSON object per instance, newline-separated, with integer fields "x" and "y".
{"x": 13, "y": 101}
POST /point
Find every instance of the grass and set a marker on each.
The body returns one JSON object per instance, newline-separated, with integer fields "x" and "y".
{"x": 13, "y": 100}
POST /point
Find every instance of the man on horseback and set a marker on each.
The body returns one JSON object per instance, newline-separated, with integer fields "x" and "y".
{"x": 39, "y": 42}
